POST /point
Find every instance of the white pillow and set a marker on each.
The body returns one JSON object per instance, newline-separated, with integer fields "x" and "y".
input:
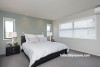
{"x": 40, "y": 35}
{"x": 27, "y": 36}
{"x": 42, "y": 39}
{"x": 33, "y": 39}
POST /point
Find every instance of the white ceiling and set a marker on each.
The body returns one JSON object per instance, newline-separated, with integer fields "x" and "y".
{"x": 47, "y": 9}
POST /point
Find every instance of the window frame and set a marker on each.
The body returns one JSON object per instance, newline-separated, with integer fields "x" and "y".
{"x": 5, "y": 19}
{"x": 50, "y": 29}
{"x": 86, "y": 18}
{"x": 66, "y": 29}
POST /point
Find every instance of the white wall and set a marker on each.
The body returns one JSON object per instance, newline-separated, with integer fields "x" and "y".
{"x": 84, "y": 45}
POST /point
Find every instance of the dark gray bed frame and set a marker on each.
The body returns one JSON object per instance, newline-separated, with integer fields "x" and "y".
{"x": 46, "y": 58}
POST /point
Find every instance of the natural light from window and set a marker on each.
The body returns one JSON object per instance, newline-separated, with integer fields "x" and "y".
{"x": 48, "y": 29}
{"x": 84, "y": 28}
{"x": 8, "y": 27}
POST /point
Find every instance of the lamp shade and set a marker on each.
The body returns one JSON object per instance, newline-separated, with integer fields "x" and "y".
{"x": 50, "y": 34}
{"x": 12, "y": 34}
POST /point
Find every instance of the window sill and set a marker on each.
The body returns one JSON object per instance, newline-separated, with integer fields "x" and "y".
{"x": 6, "y": 39}
{"x": 80, "y": 38}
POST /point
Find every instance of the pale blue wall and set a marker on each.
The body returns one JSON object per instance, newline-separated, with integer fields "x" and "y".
{"x": 22, "y": 24}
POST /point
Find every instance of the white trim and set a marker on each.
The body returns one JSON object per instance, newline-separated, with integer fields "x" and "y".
{"x": 4, "y": 18}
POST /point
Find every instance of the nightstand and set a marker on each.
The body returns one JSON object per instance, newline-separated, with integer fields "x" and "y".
{"x": 11, "y": 50}
{"x": 52, "y": 41}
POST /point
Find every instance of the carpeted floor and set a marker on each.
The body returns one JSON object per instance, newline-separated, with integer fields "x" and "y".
{"x": 20, "y": 60}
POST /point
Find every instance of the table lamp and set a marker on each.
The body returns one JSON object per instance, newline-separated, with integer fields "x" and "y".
{"x": 13, "y": 35}
{"x": 50, "y": 34}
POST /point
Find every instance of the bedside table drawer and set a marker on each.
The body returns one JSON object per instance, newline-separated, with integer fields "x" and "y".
{"x": 12, "y": 50}
{"x": 9, "y": 53}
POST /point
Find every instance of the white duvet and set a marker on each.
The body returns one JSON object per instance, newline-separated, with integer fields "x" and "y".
{"x": 35, "y": 51}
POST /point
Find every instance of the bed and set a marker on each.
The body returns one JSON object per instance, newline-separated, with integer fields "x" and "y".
{"x": 52, "y": 54}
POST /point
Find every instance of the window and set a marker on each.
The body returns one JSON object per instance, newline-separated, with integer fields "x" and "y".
{"x": 48, "y": 29}
{"x": 8, "y": 26}
{"x": 66, "y": 30}
{"x": 84, "y": 28}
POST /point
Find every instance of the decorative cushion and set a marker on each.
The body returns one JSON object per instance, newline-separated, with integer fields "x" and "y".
{"x": 40, "y": 35}
{"x": 33, "y": 39}
{"x": 27, "y": 36}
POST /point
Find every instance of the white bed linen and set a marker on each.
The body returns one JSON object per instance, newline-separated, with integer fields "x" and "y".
{"x": 35, "y": 51}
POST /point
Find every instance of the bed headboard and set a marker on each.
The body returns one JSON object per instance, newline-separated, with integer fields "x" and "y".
{"x": 23, "y": 39}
